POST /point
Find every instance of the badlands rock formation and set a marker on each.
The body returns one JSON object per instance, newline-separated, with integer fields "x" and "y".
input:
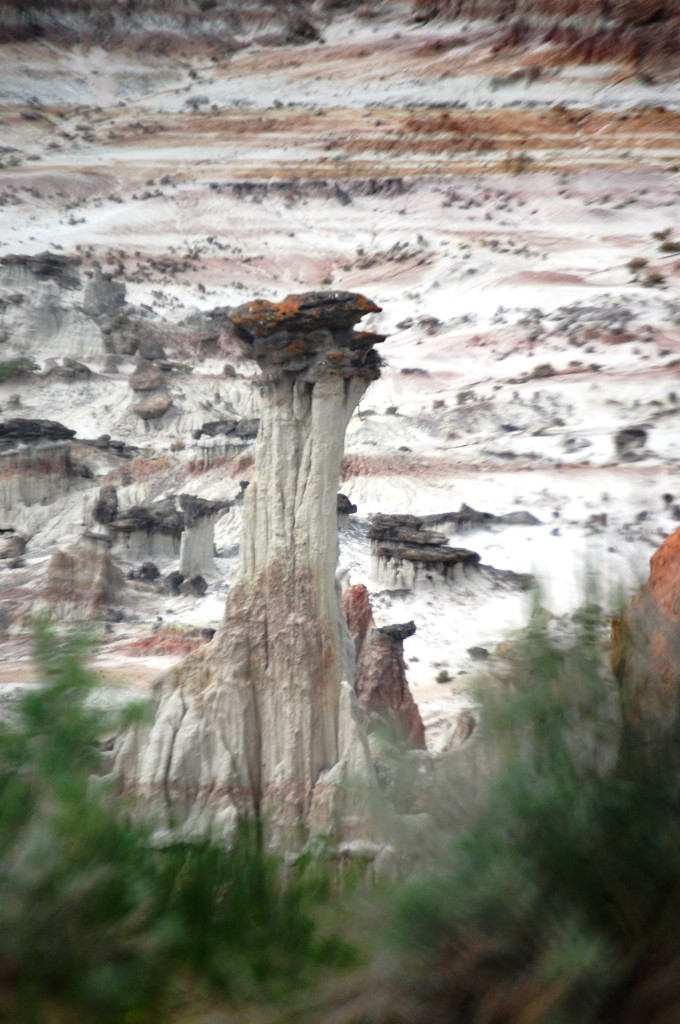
{"x": 381, "y": 686}
{"x": 149, "y": 531}
{"x": 82, "y": 581}
{"x": 501, "y": 177}
{"x": 37, "y": 467}
{"x": 403, "y": 554}
{"x": 162, "y": 530}
{"x": 261, "y": 720}
{"x": 197, "y": 545}
{"x": 406, "y": 556}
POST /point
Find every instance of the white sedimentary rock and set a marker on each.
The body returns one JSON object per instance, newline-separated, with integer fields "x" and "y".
{"x": 259, "y": 721}
{"x": 82, "y": 581}
{"x": 197, "y": 545}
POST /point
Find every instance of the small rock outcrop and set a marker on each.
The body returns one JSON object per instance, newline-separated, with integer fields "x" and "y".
{"x": 82, "y": 581}
{"x": 132, "y": 333}
{"x": 216, "y": 449}
{"x": 69, "y": 370}
{"x": 197, "y": 547}
{"x": 468, "y": 518}
{"x": 148, "y": 531}
{"x": 262, "y": 720}
{"x": 149, "y": 380}
{"x": 148, "y": 572}
{"x": 345, "y": 506}
{"x": 245, "y": 429}
{"x": 37, "y": 307}
{"x": 381, "y": 685}
{"x": 646, "y": 663}
{"x": 195, "y": 586}
{"x": 16, "y": 269}
{"x": 146, "y": 376}
{"x": 24, "y": 431}
{"x": 102, "y": 295}
{"x": 33, "y": 475}
{"x": 404, "y": 554}
{"x": 153, "y": 406}
{"x": 630, "y": 444}
{"x": 227, "y": 438}
{"x": 105, "y": 509}
{"x": 13, "y": 546}
{"x": 355, "y": 606}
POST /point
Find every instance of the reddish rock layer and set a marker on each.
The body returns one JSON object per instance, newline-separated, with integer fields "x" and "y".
{"x": 381, "y": 685}
{"x": 355, "y": 605}
{"x": 646, "y": 662}
{"x": 643, "y": 33}
{"x": 382, "y": 688}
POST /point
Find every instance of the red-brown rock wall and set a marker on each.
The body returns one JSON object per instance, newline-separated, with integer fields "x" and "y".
{"x": 646, "y": 662}
{"x": 382, "y": 689}
{"x": 355, "y": 605}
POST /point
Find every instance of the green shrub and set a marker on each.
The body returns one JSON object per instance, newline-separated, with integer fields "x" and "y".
{"x": 17, "y": 367}
{"x": 543, "y": 370}
{"x": 97, "y": 923}
{"x": 559, "y": 902}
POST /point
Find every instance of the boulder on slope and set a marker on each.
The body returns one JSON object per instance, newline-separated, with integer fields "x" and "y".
{"x": 153, "y": 406}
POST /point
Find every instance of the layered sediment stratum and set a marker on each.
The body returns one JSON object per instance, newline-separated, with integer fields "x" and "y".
{"x": 259, "y": 722}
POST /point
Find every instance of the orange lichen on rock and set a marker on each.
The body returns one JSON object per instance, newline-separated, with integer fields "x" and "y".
{"x": 260, "y": 318}
{"x": 309, "y": 331}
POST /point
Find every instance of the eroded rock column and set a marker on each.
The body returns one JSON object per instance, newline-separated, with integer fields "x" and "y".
{"x": 259, "y": 721}
{"x": 197, "y": 546}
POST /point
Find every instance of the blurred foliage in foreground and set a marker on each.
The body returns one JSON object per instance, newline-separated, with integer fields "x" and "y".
{"x": 99, "y": 924}
{"x": 559, "y": 903}
{"x": 556, "y": 901}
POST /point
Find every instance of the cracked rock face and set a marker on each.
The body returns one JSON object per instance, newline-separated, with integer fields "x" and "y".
{"x": 262, "y": 720}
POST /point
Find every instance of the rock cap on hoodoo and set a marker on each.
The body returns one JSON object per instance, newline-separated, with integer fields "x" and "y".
{"x": 27, "y": 430}
{"x": 304, "y": 311}
{"x": 309, "y": 329}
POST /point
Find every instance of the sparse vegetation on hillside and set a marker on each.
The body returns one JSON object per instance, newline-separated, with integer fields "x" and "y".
{"x": 17, "y": 367}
